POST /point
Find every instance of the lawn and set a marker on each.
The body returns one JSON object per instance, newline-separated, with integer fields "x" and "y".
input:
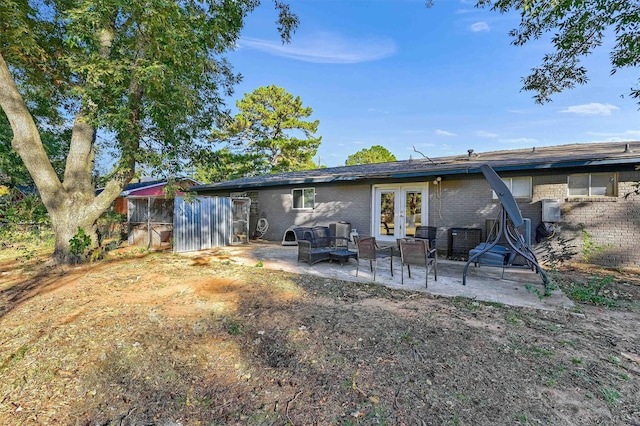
{"x": 156, "y": 338}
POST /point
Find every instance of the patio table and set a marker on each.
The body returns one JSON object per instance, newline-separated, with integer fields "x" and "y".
{"x": 393, "y": 250}
{"x": 342, "y": 255}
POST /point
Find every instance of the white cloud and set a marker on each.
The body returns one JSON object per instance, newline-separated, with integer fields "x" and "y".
{"x": 444, "y": 133}
{"x": 479, "y": 26}
{"x": 593, "y": 108}
{"x": 330, "y": 48}
{"x": 485, "y": 134}
{"x": 519, "y": 141}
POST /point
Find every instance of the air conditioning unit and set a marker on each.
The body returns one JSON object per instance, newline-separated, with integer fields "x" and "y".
{"x": 551, "y": 210}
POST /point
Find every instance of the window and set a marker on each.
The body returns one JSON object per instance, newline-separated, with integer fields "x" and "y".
{"x": 520, "y": 187}
{"x": 593, "y": 185}
{"x": 304, "y": 198}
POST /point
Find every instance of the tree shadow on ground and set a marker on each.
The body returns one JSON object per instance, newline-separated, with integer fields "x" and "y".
{"x": 34, "y": 278}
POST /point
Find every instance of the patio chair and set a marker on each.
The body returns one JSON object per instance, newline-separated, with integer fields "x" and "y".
{"x": 368, "y": 250}
{"x": 427, "y": 233}
{"x": 417, "y": 252}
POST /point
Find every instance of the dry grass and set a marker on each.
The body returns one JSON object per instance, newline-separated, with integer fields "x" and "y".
{"x": 154, "y": 338}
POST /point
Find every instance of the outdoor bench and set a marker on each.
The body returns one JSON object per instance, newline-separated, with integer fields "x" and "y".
{"x": 317, "y": 245}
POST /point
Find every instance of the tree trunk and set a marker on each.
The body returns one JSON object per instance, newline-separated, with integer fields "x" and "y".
{"x": 72, "y": 204}
{"x": 65, "y": 227}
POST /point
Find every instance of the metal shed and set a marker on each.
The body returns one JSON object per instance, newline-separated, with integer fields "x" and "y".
{"x": 201, "y": 223}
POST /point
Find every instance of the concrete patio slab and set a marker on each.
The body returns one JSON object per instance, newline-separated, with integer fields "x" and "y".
{"x": 518, "y": 287}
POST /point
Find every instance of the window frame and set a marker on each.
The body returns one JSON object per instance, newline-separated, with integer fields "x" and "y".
{"x": 303, "y": 191}
{"x": 509, "y": 182}
{"x": 589, "y": 187}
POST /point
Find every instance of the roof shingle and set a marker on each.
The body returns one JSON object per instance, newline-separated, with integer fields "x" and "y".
{"x": 572, "y": 155}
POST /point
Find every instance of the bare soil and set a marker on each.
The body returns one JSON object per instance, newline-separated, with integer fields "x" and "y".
{"x": 160, "y": 339}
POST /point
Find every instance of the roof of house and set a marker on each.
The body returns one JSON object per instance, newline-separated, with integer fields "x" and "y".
{"x": 561, "y": 156}
{"x": 137, "y": 188}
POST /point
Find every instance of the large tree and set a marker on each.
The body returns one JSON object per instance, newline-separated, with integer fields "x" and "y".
{"x": 146, "y": 77}
{"x": 579, "y": 27}
{"x": 269, "y": 133}
{"x": 375, "y": 154}
{"x": 221, "y": 165}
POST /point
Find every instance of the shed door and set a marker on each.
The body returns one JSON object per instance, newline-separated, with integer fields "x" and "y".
{"x": 202, "y": 223}
{"x": 241, "y": 207}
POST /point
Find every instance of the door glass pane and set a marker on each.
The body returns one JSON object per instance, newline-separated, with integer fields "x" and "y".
{"x": 413, "y": 212}
{"x": 387, "y": 212}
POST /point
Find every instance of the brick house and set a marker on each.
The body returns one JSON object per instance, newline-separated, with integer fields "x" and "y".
{"x": 585, "y": 183}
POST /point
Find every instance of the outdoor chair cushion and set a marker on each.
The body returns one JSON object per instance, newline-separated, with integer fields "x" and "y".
{"x": 498, "y": 255}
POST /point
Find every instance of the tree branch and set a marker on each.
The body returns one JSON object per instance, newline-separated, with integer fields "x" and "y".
{"x": 414, "y": 148}
{"x": 26, "y": 138}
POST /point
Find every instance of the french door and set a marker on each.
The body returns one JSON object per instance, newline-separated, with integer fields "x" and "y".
{"x": 398, "y": 210}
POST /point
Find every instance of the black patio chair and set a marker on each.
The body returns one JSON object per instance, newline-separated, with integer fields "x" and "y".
{"x": 428, "y": 233}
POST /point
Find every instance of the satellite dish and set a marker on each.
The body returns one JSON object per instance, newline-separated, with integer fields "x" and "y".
{"x": 504, "y": 195}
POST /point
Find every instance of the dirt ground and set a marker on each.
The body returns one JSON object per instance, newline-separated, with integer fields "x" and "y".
{"x": 161, "y": 339}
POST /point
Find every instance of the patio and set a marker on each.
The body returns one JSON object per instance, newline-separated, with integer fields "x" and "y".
{"x": 483, "y": 283}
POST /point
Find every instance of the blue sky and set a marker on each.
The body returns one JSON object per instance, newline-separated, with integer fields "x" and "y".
{"x": 444, "y": 79}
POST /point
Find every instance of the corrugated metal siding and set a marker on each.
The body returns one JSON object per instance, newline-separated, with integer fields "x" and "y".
{"x": 203, "y": 223}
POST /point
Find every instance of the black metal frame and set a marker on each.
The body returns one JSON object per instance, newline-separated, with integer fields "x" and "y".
{"x": 515, "y": 242}
{"x": 509, "y": 212}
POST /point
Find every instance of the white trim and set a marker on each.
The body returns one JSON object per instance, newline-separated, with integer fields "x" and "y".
{"x": 293, "y": 207}
{"x": 400, "y": 190}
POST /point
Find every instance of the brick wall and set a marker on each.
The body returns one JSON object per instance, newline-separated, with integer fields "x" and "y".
{"x": 610, "y": 225}
{"x": 613, "y": 224}
{"x": 334, "y": 203}
{"x": 460, "y": 203}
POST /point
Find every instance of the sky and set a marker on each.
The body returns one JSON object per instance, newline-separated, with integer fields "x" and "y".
{"x": 439, "y": 80}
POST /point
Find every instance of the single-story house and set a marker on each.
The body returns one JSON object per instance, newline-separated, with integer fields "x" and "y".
{"x": 578, "y": 191}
